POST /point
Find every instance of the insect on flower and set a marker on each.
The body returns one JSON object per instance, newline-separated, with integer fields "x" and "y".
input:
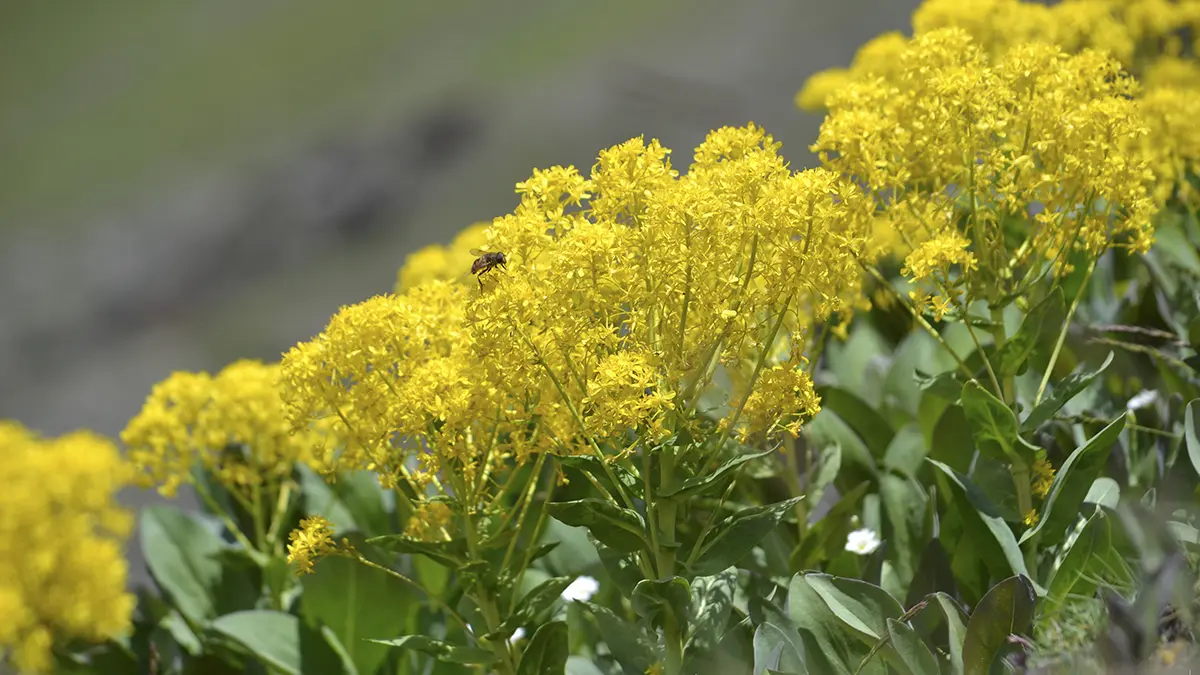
{"x": 486, "y": 262}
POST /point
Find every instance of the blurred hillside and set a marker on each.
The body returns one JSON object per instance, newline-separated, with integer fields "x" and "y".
{"x": 184, "y": 184}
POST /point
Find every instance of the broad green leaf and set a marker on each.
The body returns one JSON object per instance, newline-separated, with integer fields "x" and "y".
{"x": 1191, "y": 432}
{"x": 1084, "y": 564}
{"x": 733, "y": 537}
{"x": 184, "y": 556}
{"x": 982, "y": 524}
{"x": 853, "y": 361}
{"x": 613, "y": 526}
{"x": 577, "y": 665}
{"x": 776, "y": 649}
{"x": 714, "y": 479}
{"x": 1007, "y": 609}
{"x": 319, "y": 499}
{"x": 452, "y": 554}
{"x": 827, "y": 428}
{"x": 943, "y": 610}
{"x": 621, "y": 567}
{"x": 547, "y": 651}
{"x": 904, "y": 509}
{"x": 952, "y": 440}
{"x": 629, "y": 644}
{"x": 442, "y": 651}
{"x": 1104, "y": 492}
{"x": 537, "y": 601}
{"x": 590, "y": 465}
{"x": 1072, "y": 482}
{"x": 365, "y": 499}
{"x": 574, "y": 554}
{"x": 1061, "y": 393}
{"x": 994, "y": 425}
{"x": 357, "y": 603}
{"x": 900, "y": 388}
{"x": 911, "y": 650}
{"x": 945, "y": 386}
{"x": 827, "y": 472}
{"x": 933, "y": 574}
{"x": 862, "y": 418}
{"x": 906, "y": 453}
{"x": 862, "y": 606}
{"x": 1010, "y": 358}
{"x": 653, "y": 598}
{"x": 712, "y": 601}
{"x": 280, "y": 641}
{"x": 829, "y": 645}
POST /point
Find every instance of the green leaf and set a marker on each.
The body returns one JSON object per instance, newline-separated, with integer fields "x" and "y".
{"x": 912, "y": 652}
{"x": 1016, "y": 351}
{"x": 364, "y": 499}
{"x": 629, "y": 644}
{"x": 904, "y": 508}
{"x": 1007, "y": 609}
{"x": 1061, "y": 393}
{"x": 320, "y": 500}
{"x": 862, "y": 418}
{"x": 777, "y": 650}
{"x": 452, "y": 554}
{"x": 862, "y": 606}
{"x": 357, "y": 602}
{"x": 653, "y": 598}
{"x": 1085, "y": 563}
{"x": 621, "y": 567}
{"x": 575, "y": 553}
{"x": 611, "y": 525}
{"x": 592, "y": 466}
{"x": 1190, "y": 433}
{"x": 184, "y": 556}
{"x": 1073, "y": 480}
{"x": 712, "y": 601}
{"x": 1104, "y": 492}
{"x": 577, "y": 665}
{"x": 733, "y": 537}
{"x": 945, "y": 385}
{"x": 942, "y": 610}
{"x": 994, "y": 425}
{"x": 280, "y": 641}
{"x": 827, "y": 536}
{"x": 541, "y": 598}
{"x": 827, "y": 472}
{"x": 830, "y": 646}
{"x": 906, "y": 453}
{"x": 442, "y": 651}
{"x": 700, "y": 484}
{"x": 952, "y": 439}
{"x": 982, "y": 523}
{"x": 547, "y": 651}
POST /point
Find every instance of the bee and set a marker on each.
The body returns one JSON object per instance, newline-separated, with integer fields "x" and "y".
{"x": 486, "y": 262}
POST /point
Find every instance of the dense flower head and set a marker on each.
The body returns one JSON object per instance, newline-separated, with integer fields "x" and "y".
{"x": 308, "y": 543}
{"x": 232, "y": 423}
{"x": 442, "y": 263}
{"x": 62, "y": 564}
{"x": 959, "y": 146}
{"x": 1173, "y": 140}
{"x": 876, "y": 57}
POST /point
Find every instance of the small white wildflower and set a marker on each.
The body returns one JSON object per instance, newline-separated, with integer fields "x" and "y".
{"x": 517, "y": 635}
{"x": 581, "y": 589}
{"x": 1142, "y": 399}
{"x": 862, "y": 542}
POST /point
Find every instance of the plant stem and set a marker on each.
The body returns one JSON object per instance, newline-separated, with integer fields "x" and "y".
{"x": 1062, "y": 334}
{"x": 487, "y": 605}
{"x": 1005, "y": 387}
{"x": 666, "y": 512}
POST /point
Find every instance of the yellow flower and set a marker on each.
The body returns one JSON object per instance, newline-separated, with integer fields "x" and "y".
{"x": 309, "y": 543}
{"x": 443, "y": 263}
{"x": 430, "y": 522}
{"x": 62, "y": 562}
{"x": 1043, "y": 477}
{"x": 1031, "y": 518}
{"x": 232, "y": 423}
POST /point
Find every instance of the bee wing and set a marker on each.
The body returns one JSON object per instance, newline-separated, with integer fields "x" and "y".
{"x": 477, "y": 251}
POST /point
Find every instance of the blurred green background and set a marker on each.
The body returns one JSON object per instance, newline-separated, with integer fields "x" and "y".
{"x": 184, "y": 184}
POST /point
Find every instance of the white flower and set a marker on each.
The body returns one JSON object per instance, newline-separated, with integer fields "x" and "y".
{"x": 862, "y": 542}
{"x": 517, "y": 635}
{"x": 1142, "y": 399}
{"x": 581, "y": 589}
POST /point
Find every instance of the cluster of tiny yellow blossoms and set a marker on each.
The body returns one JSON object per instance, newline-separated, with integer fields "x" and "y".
{"x": 957, "y": 146}
{"x": 233, "y": 424}
{"x": 311, "y": 541}
{"x": 1154, "y": 40}
{"x": 62, "y": 565}
{"x": 1043, "y": 477}
{"x": 626, "y": 291}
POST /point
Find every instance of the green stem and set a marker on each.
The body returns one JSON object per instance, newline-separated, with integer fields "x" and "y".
{"x": 1062, "y": 334}
{"x": 216, "y": 509}
{"x": 487, "y": 606}
{"x": 758, "y": 367}
{"x": 666, "y": 512}
{"x": 795, "y": 469}
{"x": 281, "y": 508}
{"x": 424, "y": 591}
{"x": 1005, "y": 388}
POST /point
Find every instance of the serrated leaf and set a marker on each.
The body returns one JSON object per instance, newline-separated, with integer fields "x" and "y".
{"x": 1017, "y": 349}
{"x": 994, "y": 426}
{"x": 1006, "y": 609}
{"x": 547, "y": 651}
{"x": 611, "y": 525}
{"x": 697, "y": 485}
{"x": 733, "y": 537}
{"x": 1062, "y": 392}
{"x": 1073, "y": 480}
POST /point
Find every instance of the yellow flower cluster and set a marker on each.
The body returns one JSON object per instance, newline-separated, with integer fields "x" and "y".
{"x": 310, "y": 542}
{"x": 233, "y": 424}
{"x": 1043, "y": 477}
{"x": 1030, "y": 157}
{"x": 62, "y": 564}
{"x": 626, "y": 291}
